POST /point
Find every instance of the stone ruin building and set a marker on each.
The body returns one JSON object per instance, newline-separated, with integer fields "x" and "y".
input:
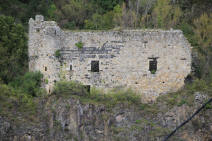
{"x": 151, "y": 62}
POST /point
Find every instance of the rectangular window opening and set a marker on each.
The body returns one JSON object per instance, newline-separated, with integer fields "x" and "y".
{"x": 95, "y": 66}
{"x": 153, "y": 65}
{"x": 45, "y": 68}
{"x": 70, "y": 68}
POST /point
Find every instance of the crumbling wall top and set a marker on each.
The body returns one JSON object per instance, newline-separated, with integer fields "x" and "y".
{"x": 39, "y": 18}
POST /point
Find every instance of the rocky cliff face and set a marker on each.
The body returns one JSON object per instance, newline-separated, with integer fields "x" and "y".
{"x": 68, "y": 119}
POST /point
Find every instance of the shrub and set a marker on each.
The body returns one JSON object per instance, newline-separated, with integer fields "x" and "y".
{"x": 153, "y": 71}
{"x": 57, "y": 53}
{"x": 113, "y": 97}
{"x": 30, "y": 83}
{"x": 79, "y": 44}
{"x": 70, "y": 25}
{"x": 69, "y": 88}
{"x": 96, "y": 96}
{"x": 46, "y": 81}
{"x": 13, "y": 99}
{"x": 129, "y": 96}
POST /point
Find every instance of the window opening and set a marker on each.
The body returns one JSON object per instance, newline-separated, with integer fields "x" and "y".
{"x": 153, "y": 65}
{"x": 95, "y": 66}
{"x": 45, "y": 68}
{"x": 70, "y": 68}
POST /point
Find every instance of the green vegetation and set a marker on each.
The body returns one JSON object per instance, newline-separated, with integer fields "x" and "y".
{"x": 96, "y": 96}
{"x": 113, "y": 97}
{"x": 46, "y": 81}
{"x": 57, "y": 53}
{"x": 20, "y": 96}
{"x": 64, "y": 88}
{"x": 186, "y": 95}
{"x": 153, "y": 71}
{"x": 13, "y": 49}
{"x": 30, "y": 83}
{"x": 79, "y": 44}
{"x": 10, "y": 99}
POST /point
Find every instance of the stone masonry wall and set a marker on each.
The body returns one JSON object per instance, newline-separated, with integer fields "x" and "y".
{"x": 123, "y": 57}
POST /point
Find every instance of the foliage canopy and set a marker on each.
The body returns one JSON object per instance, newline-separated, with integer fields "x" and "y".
{"x": 13, "y": 49}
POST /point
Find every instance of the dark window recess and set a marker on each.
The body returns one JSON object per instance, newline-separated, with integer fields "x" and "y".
{"x": 95, "y": 66}
{"x": 153, "y": 66}
{"x": 45, "y": 68}
{"x": 70, "y": 68}
{"x": 55, "y": 81}
{"x": 87, "y": 88}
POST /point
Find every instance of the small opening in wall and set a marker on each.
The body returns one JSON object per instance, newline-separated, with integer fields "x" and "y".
{"x": 49, "y": 91}
{"x": 153, "y": 65}
{"x": 45, "y": 68}
{"x": 70, "y": 68}
{"x": 37, "y": 30}
{"x": 95, "y": 66}
{"x": 55, "y": 81}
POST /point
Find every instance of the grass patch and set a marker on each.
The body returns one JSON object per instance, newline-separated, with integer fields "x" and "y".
{"x": 186, "y": 95}
{"x": 96, "y": 96}
{"x": 68, "y": 88}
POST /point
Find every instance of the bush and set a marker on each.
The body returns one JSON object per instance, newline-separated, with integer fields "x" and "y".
{"x": 70, "y": 25}
{"x": 98, "y": 96}
{"x": 79, "y": 45}
{"x": 128, "y": 96}
{"x": 69, "y": 88}
{"x": 57, "y": 53}
{"x": 113, "y": 97}
{"x": 30, "y": 83}
{"x": 12, "y": 99}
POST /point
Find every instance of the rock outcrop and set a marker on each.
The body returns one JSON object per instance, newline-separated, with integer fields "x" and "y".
{"x": 67, "y": 119}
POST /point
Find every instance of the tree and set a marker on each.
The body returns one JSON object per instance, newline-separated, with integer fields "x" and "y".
{"x": 51, "y": 11}
{"x": 117, "y": 15}
{"x": 76, "y": 11}
{"x": 166, "y": 15}
{"x": 13, "y": 49}
{"x": 203, "y": 31}
{"x": 106, "y": 5}
{"x": 203, "y": 35}
{"x": 161, "y": 12}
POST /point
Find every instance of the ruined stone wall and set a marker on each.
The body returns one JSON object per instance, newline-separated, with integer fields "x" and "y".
{"x": 44, "y": 40}
{"x": 123, "y": 57}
